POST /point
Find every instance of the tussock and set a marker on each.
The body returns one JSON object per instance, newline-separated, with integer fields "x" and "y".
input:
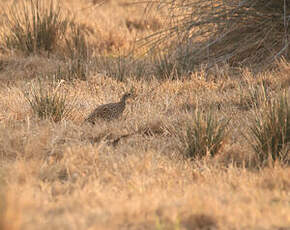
{"x": 247, "y": 33}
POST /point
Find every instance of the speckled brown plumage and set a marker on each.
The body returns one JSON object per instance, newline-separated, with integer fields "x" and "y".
{"x": 109, "y": 111}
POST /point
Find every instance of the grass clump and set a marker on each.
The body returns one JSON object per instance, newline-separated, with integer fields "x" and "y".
{"x": 115, "y": 67}
{"x": 77, "y": 47}
{"x": 73, "y": 69}
{"x": 166, "y": 67}
{"x": 47, "y": 101}
{"x": 78, "y": 56}
{"x": 253, "y": 96}
{"x": 33, "y": 26}
{"x": 205, "y": 135}
{"x": 271, "y": 132}
{"x": 118, "y": 67}
{"x": 42, "y": 27}
{"x": 212, "y": 31}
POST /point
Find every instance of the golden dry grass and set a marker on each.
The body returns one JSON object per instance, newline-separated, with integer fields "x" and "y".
{"x": 128, "y": 174}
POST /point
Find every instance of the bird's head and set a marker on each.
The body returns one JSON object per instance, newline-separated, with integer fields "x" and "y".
{"x": 126, "y": 96}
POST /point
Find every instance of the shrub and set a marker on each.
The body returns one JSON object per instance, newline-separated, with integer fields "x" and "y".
{"x": 271, "y": 132}
{"x": 205, "y": 135}
{"x": 47, "y": 101}
{"x": 33, "y": 26}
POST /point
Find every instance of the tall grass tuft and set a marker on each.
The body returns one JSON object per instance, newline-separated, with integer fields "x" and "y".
{"x": 251, "y": 33}
{"x": 206, "y": 135}
{"x": 77, "y": 54}
{"x": 33, "y": 26}
{"x": 253, "y": 96}
{"x": 47, "y": 101}
{"x": 76, "y": 44}
{"x": 165, "y": 67}
{"x": 271, "y": 132}
{"x": 118, "y": 67}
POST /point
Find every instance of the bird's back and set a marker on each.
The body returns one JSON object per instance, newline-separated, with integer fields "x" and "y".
{"x": 107, "y": 112}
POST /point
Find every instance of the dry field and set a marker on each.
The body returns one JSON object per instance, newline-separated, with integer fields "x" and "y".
{"x": 130, "y": 173}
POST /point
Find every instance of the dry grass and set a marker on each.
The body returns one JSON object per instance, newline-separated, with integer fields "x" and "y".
{"x": 74, "y": 175}
{"x": 252, "y": 33}
{"x": 129, "y": 173}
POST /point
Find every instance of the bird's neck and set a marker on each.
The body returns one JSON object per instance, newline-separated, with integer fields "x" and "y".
{"x": 123, "y": 100}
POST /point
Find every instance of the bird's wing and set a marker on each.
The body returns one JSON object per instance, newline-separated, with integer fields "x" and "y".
{"x": 103, "y": 109}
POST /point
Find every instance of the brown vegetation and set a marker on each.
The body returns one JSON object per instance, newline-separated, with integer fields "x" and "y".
{"x": 195, "y": 149}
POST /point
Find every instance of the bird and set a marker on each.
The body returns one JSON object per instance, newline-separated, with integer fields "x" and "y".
{"x": 109, "y": 111}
